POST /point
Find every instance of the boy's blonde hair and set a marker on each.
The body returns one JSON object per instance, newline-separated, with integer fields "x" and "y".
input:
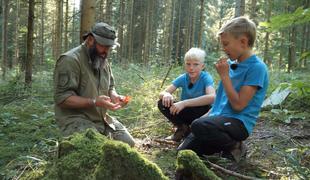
{"x": 240, "y": 26}
{"x": 195, "y": 53}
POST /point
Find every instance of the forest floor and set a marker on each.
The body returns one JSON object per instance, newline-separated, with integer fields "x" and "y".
{"x": 274, "y": 151}
{"x": 279, "y": 147}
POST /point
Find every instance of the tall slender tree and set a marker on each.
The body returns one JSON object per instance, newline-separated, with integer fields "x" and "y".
{"x": 42, "y": 32}
{"x": 58, "y": 28}
{"x": 267, "y": 59}
{"x": 87, "y": 16}
{"x": 5, "y": 8}
{"x": 240, "y": 8}
{"x": 29, "y": 60}
{"x": 201, "y": 26}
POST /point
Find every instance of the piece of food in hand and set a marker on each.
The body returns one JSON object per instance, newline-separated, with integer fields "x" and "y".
{"x": 126, "y": 99}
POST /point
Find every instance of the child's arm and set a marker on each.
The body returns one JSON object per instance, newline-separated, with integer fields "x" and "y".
{"x": 166, "y": 95}
{"x": 238, "y": 100}
{"x": 199, "y": 101}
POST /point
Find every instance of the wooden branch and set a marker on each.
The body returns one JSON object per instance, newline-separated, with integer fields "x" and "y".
{"x": 163, "y": 141}
{"x": 229, "y": 172}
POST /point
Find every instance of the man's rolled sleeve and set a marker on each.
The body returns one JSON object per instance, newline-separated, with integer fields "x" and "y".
{"x": 66, "y": 78}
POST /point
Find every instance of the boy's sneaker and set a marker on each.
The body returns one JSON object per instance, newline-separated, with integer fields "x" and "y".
{"x": 181, "y": 132}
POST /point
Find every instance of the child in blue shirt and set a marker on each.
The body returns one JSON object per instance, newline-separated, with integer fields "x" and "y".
{"x": 240, "y": 94}
{"x": 196, "y": 97}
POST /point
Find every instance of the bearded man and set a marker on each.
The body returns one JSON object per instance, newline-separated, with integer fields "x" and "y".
{"x": 84, "y": 87}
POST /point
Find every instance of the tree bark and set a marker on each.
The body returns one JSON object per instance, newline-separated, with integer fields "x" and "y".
{"x": 130, "y": 32}
{"x": 42, "y": 32}
{"x": 177, "y": 51}
{"x": 266, "y": 49}
{"x": 87, "y": 16}
{"x": 66, "y": 43}
{"x": 201, "y": 27}
{"x": 121, "y": 31}
{"x": 108, "y": 13}
{"x": 58, "y": 29}
{"x": 30, "y": 27}
{"x": 240, "y": 8}
{"x": 282, "y": 34}
{"x": 253, "y": 11}
{"x": 292, "y": 50}
{"x": 5, "y": 8}
{"x": 16, "y": 38}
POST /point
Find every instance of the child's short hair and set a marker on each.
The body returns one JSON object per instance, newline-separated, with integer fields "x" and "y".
{"x": 240, "y": 26}
{"x": 195, "y": 53}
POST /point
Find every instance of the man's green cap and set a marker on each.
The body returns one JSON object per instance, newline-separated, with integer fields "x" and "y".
{"x": 104, "y": 34}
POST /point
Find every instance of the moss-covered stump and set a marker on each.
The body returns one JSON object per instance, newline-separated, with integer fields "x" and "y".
{"x": 127, "y": 164}
{"x": 190, "y": 166}
{"x": 79, "y": 155}
{"x": 91, "y": 156}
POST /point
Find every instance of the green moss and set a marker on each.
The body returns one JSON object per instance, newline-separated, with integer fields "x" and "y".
{"x": 79, "y": 155}
{"x": 90, "y": 156}
{"x": 121, "y": 162}
{"x": 189, "y": 165}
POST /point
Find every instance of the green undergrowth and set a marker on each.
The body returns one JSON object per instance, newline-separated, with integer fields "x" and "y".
{"x": 29, "y": 136}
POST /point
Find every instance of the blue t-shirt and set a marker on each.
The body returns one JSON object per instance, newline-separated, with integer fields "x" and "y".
{"x": 199, "y": 87}
{"x": 251, "y": 72}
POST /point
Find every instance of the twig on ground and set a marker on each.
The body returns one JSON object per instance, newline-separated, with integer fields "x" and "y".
{"x": 163, "y": 141}
{"x": 229, "y": 172}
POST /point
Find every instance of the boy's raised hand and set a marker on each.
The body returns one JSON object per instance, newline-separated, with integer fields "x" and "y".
{"x": 222, "y": 67}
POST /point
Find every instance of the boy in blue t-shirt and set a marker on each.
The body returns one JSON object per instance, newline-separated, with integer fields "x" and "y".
{"x": 241, "y": 91}
{"x": 196, "y": 98}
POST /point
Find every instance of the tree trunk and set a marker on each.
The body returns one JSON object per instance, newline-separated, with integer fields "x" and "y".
{"x": 188, "y": 27}
{"x": 87, "y": 16}
{"x": 240, "y": 8}
{"x": 148, "y": 31}
{"x": 58, "y": 29}
{"x": 28, "y": 70}
{"x": 108, "y": 13}
{"x": 16, "y": 39}
{"x": 121, "y": 30}
{"x": 281, "y": 50}
{"x": 201, "y": 27}
{"x": 177, "y": 51}
{"x": 192, "y": 25}
{"x": 253, "y": 11}
{"x": 170, "y": 47}
{"x": 292, "y": 50}
{"x": 5, "y": 8}
{"x": 130, "y": 32}
{"x": 266, "y": 49}
{"x": 66, "y": 43}
{"x": 307, "y": 48}
{"x": 42, "y": 32}
{"x": 101, "y": 12}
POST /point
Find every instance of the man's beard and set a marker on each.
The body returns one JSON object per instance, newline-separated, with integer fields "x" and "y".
{"x": 96, "y": 60}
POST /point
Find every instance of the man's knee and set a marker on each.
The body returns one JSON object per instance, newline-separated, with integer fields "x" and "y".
{"x": 125, "y": 137}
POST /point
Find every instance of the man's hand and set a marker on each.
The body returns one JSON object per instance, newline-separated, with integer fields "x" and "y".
{"x": 106, "y": 102}
{"x": 167, "y": 99}
{"x": 177, "y": 107}
{"x": 222, "y": 67}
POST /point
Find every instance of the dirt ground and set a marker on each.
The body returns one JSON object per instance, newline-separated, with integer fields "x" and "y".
{"x": 274, "y": 151}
